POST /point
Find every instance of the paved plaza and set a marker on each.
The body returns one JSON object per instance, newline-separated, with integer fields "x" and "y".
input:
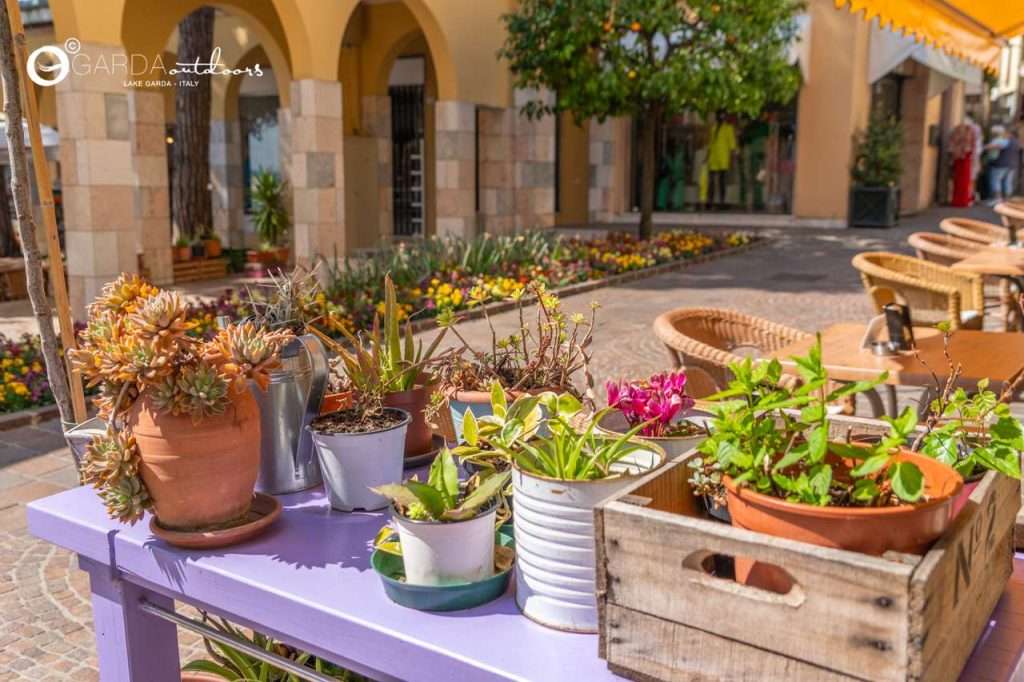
{"x": 801, "y": 278}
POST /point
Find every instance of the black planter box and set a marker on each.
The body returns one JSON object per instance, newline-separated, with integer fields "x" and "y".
{"x": 874, "y": 206}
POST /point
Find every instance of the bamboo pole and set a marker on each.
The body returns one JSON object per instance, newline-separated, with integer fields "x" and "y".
{"x": 45, "y": 189}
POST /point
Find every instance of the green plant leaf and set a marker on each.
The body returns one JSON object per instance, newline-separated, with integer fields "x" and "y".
{"x": 871, "y": 465}
{"x": 499, "y": 404}
{"x": 907, "y": 481}
{"x": 432, "y": 500}
{"x": 206, "y": 666}
{"x": 397, "y": 493}
{"x": 483, "y": 493}
{"x": 470, "y": 430}
{"x": 864, "y": 491}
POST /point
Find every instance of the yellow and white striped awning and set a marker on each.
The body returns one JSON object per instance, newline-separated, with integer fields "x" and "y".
{"x": 973, "y": 30}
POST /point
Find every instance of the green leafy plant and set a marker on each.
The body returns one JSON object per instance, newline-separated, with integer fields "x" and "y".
{"x": 443, "y": 497}
{"x": 877, "y": 160}
{"x": 182, "y": 242}
{"x": 268, "y": 211}
{"x": 776, "y": 440}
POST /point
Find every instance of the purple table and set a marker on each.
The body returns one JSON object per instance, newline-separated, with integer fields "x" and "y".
{"x": 308, "y": 582}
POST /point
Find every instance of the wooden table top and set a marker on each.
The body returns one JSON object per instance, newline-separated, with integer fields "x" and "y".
{"x": 994, "y": 260}
{"x": 998, "y": 356}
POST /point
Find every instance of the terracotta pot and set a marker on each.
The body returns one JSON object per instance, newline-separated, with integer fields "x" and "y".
{"x": 213, "y": 248}
{"x": 418, "y": 438}
{"x": 332, "y": 402}
{"x": 262, "y": 257}
{"x": 199, "y": 475}
{"x": 907, "y": 528}
{"x": 182, "y": 254}
{"x": 281, "y": 255}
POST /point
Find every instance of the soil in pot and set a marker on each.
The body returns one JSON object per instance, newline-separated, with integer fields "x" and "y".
{"x": 419, "y": 437}
{"x": 199, "y": 475}
{"x": 351, "y": 420}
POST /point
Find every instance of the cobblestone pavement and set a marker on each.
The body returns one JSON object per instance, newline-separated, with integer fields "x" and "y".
{"x": 802, "y": 278}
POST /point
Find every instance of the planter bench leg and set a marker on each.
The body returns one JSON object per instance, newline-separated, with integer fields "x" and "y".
{"x": 131, "y": 645}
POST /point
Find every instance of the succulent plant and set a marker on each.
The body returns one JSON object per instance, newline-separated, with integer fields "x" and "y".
{"x": 127, "y": 500}
{"x": 161, "y": 319}
{"x": 109, "y": 458}
{"x": 124, "y": 294}
{"x": 203, "y": 391}
{"x": 245, "y": 350}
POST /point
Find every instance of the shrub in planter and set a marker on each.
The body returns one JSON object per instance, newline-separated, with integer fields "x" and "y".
{"x": 557, "y": 480}
{"x": 183, "y": 428}
{"x": 211, "y": 244}
{"x": 270, "y": 218}
{"x": 876, "y": 172}
{"x": 783, "y": 476}
{"x": 446, "y": 527}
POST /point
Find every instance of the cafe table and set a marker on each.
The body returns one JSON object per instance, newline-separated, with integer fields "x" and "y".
{"x": 1005, "y": 262}
{"x": 308, "y": 582}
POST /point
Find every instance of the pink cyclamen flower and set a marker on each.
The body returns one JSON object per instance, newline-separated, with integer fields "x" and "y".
{"x": 657, "y": 400}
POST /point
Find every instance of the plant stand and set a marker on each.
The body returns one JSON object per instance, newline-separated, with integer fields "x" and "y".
{"x": 874, "y": 206}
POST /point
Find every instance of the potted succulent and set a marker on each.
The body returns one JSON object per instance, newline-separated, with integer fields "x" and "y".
{"x": 183, "y": 431}
{"x": 211, "y": 243}
{"x": 182, "y": 250}
{"x": 446, "y": 527}
{"x": 876, "y": 172}
{"x": 784, "y": 476}
{"x": 660, "y": 406}
{"x": 557, "y": 480}
{"x": 270, "y": 218}
{"x": 541, "y": 355}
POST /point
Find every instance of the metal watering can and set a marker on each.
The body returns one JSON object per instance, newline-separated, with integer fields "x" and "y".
{"x": 288, "y": 461}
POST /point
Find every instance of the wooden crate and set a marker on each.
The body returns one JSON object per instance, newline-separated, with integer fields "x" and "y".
{"x": 850, "y": 616}
{"x": 200, "y": 269}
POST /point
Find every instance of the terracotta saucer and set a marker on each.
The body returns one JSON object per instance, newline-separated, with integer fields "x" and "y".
{"x": 265, "y": 509}
{"x": 426, "y": 458}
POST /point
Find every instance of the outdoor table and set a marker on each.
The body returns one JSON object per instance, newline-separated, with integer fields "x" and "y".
{"x": 308, "y": 583}
{"x": 1006, "y": 262}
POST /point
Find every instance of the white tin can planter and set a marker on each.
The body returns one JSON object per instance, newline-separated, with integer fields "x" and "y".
{"x": 352, "y": 463}
{"x": 614, "y": 424}
{"x": 554, "y": 530}
{"x": 447, "y": 553}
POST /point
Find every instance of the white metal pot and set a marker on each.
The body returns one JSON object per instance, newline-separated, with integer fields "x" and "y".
{"x": 554, "y": 530}
{"x": 352, "y": 463}
{"x": 614, "y": 424}
{"x": 447, "y": 553}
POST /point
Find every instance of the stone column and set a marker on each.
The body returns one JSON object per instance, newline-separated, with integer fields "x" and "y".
{"x": 317, "y": 170}
{"x": 497, "y": 170}
{"x": 152, "y": 195}
{"x": 535, "y": 164}
{"x": 602, "y": 168}
{"x": 456, "y": 168}
{"x": 376, "y": 112}
{"x": 226, "y": 178}
{"x": 97, "y": 177}
{"x": 284, "y": 146}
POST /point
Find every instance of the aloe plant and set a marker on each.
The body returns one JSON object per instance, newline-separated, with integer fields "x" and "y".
{"x": 443, "y": 497}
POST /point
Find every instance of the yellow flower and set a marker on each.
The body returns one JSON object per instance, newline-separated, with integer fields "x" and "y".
{"x": 24, "y": 370}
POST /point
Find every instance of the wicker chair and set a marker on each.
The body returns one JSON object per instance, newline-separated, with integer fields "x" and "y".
{"x": 935, "y": 293}
{"x": 975, "y": 230}
{"x": 1012, "y": 214}
{"x": 703, "y": 341}
{"x": 944, "y": 249}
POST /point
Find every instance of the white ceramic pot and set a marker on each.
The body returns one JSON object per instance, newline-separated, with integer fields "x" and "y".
{"x": 451, "y": 553}
{"x": 554, "y": 530}
{"x": 352, "y": 463}
{"x": 614, "y": 424}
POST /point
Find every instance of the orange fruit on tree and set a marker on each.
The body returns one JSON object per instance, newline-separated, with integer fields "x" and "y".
{"x": 635, "y": 27}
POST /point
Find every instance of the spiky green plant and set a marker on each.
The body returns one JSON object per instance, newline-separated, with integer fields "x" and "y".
{"x": 269, "y": 214}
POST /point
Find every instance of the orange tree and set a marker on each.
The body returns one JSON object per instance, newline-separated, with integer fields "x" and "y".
{"x": 651, "y": 59}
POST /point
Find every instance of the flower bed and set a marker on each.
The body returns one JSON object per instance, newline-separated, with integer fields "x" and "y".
{"x": 23, "y": 381}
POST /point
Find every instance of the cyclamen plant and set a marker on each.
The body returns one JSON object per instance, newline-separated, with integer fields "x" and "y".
{"x": 653, "y": 403}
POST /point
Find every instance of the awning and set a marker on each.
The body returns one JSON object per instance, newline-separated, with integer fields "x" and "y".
{"x": 889, "y": 49}
{"x": 973, "y": 30}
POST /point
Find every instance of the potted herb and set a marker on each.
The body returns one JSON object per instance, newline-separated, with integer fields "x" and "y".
{"x": 660, "y": 406}
{"x": 542, "y": 354}
{"x": 446, "y": 527}
{"x": 211, "y": 243}
{"x": 182, "y": 250}
{"x": 557, "y": 480}
{"x": 784, "y": 476}
{"x": 270, "y": 218}
{"x": 184, "y": 430}
{"x": 876, "y": 172}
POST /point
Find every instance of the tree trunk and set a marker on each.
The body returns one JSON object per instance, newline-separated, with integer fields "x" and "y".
{"x": 648, "y": 138}
{"x": 193, "y": 213}
{"x": 55, "y": 373}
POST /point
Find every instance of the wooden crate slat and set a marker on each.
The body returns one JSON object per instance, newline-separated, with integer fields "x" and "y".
{"x": 958, "y": 583}
{"x": 207, "y": 268}
{"x": 674, "y": 652}
{"x": 856, "y": 603}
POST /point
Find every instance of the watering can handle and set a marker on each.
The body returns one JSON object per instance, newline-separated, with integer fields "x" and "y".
{"x": 317, "y": 385}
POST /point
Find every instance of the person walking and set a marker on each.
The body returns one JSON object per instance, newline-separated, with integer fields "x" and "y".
{"x": 720, "y": 152}
{"x": 1004, "y": 152}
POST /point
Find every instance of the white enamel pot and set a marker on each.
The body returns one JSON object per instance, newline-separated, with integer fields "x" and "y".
{"x": 447, "y": 553}
{"x": 614, "y": 424}
{"x": 352, "y": 463}
{"x": 554, "y": 531}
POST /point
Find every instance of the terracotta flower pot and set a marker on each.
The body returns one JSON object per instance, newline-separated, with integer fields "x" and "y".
{"x": 182, "y": 253}
{"x": 281, "y": 255}
{"x": 332, "y": 402}
{"x": 262, "y": 257}
{"x": 907, "y": 528}
{"x": 418, "y": 437}
{"x": 199, "y": 475}
{"x": 213, "y": 248}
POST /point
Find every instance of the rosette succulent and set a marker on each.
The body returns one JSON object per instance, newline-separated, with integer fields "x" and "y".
{"x": 653, "y": 403}
{"x": 111, "y": 465}
{"x": 246, "y": 351}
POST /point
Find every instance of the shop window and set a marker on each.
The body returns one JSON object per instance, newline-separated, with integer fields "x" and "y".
{"x": 260, "y": 147}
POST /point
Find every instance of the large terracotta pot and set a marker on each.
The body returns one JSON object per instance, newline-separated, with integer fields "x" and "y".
{"x": 907, "y": 528}
{"x": 213, "y": 248}
{"x": 418, "y": 438}
{"x": 199, "y": 475}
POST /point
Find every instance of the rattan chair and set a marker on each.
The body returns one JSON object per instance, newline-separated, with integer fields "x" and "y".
{"x": 1012, "y": 214}
{"x": 975, "y": 230}
{"x": 704, "y": 341}
{"x": 935, "y": 293}
{"x": 944, "y": 249}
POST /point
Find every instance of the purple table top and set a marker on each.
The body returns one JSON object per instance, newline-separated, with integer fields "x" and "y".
{"x": 308, "y": 581}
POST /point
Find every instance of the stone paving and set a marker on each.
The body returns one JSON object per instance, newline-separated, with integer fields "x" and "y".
{"x": 802, "y": 278}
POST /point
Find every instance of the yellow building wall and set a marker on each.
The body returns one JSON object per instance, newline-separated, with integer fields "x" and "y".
{"x": 573, "y": 172}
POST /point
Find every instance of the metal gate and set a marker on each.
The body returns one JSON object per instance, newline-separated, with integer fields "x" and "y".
{"x": 407, "y": 162}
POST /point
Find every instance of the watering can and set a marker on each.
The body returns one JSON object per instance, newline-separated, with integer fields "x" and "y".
{"x": 78, "y": 436}
{"x": 288, "y": 461}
